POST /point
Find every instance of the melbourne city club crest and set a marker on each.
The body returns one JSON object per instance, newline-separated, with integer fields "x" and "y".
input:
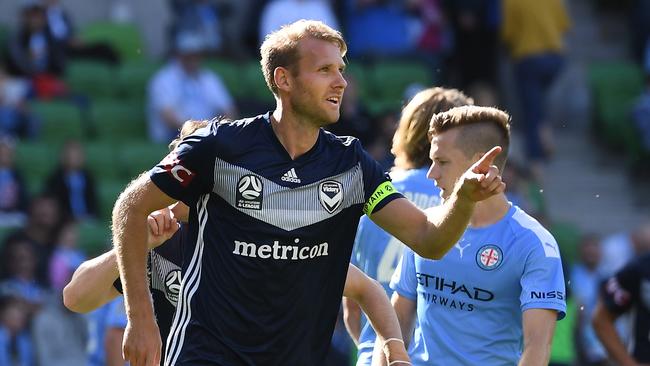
{"x": 249, "y": 192}
{"x": 330, "y": 194}
{"x": 489, "y": 257}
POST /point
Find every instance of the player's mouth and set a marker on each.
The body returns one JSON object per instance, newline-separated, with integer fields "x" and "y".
{"x": 335, "y": 100}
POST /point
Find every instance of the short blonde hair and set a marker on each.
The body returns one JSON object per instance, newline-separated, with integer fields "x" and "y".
{"x": 188, "y": 128}
{"x": 411, "y": 142}
{"x": 280, "y": 48}
{"x": 482, "y": 129}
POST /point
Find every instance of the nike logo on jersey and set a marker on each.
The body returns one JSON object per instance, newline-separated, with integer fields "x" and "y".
{"x": 291, "y": 176}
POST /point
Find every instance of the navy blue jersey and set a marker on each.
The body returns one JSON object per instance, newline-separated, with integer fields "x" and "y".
{"x": 269, "y": 241}
{"x": 164, "y": 272}
{"x": 629, "y": 291}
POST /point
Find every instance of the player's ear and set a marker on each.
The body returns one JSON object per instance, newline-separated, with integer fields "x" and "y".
{"x": 282, "y": 78}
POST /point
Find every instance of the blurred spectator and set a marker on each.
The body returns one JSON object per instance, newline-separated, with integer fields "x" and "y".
{"x": 35, "y": 54}
{"x": 19, "y": 274}
{"x": 377, "y": 28}
{"x": 533, "y": 31}
{"x": 96, "y": 321}
{"x": 42, "y": 225}
{"x": 585, "y": 282}
{"x": 475, "y": 25}
{"x": 281, "y": 12}
{"x": 66, "y": 256}
{"x": 201, "y": 18}
{"x": 16, "y": 347}
{"x": 60, "y": 336}
{"x": 62, "y": 29}
{"x": 640, "y": 27}
{"x": 13, "y": 193}
{"x": 184, "y": 90}
{"x": 379, "y": 145}
{"x": 641, "y": 113}
{"x": 620, "y": 248}
{"x": 518, "y": 188}
{"x": 427, "y": 28}
{"x": 15, "y": 119}
{"x": 72, "y": 184}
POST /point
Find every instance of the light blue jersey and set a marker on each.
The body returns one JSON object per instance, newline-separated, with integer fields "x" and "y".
{"x": 470, "y": 303}
{"x": 99, "y": 321}
{"x": 377, "y": 253}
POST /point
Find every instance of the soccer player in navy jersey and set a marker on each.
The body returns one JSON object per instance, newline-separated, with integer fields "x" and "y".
{"x": 375, "y": 252}
{"x": 494, "y": 299}
{"x": 96, "y": 281}
{"x": 274, "y": 205}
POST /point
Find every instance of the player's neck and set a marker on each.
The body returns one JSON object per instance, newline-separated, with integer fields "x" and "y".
{"x": 295, "y": 135}
{"x": 490, "y": 211}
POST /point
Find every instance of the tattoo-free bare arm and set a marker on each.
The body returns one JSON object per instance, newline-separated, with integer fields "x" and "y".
{"x": 538, "y": 327}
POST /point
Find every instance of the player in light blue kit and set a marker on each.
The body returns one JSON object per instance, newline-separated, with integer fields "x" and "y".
{"x": 494, "y": 299}
{"x": 375, "y": 251}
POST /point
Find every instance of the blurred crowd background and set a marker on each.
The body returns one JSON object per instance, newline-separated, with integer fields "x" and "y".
{"x": 91, "y": 93}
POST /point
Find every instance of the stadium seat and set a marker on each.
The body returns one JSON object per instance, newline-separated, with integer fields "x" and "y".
{"x": 255, "y": 84}
{"x": 563, "y": 349}
{"x": 230, "y": 74}
{"x": 568, "y": 238}
{"x": 60, "y": 121}
{"x": 108, "y": 190}
{"x": 387, "y": 81}
{"x": 102, "y": 160}
{"x": 117, "y": 121}
{"x": 139, "y": 157}
{"x": 125, "y": 38}
{"x": 133, "y": 77}
{"x": 36, "y": 161}
{"x": 94, "y": 237}
{"x": 95, "y": 79}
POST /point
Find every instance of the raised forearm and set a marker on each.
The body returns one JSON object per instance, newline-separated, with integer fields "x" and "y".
{"x": 536, "y": 355}
{"x": 130, "y": 244}
{"x": 91, "y": 285}
{"x": 447, "y": 224}
{"x": 603, "y": 323}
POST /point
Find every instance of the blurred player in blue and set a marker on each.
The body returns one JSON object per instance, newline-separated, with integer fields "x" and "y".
{"x": 495, "y": 297}
{"x": 375, "y": 251}
{"x": 274, "y": 201}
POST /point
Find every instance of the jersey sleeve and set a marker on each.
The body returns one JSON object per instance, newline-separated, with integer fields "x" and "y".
{"x": 542, "y": 282}
{"x": 378, "y": 188}
{"x": 621, "y": 291}
{"x": 188, "y": 171}
{"x": 404, "y": 280}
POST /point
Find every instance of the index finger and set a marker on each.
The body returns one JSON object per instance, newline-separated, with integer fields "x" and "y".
{"x": 484, "y": 163}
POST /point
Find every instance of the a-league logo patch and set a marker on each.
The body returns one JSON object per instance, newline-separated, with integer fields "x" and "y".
{"x": 489, "y": 257}
{"x": 173, "y": 286}
{"x": 249, "y": 192}
{"x": 330, "y": 195}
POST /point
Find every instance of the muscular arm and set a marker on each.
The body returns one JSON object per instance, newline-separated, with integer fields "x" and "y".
{"x": 91, "y": 285}
{"x": 603, "y": 322}
{"x": 538, "y": 325}
{"x": 405, "y": 311}
{"x": 372, "y": 298}
{"x": 352, "y": 318}
{"x": 432, "y": 233}
{"x": 142, "y": 339}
